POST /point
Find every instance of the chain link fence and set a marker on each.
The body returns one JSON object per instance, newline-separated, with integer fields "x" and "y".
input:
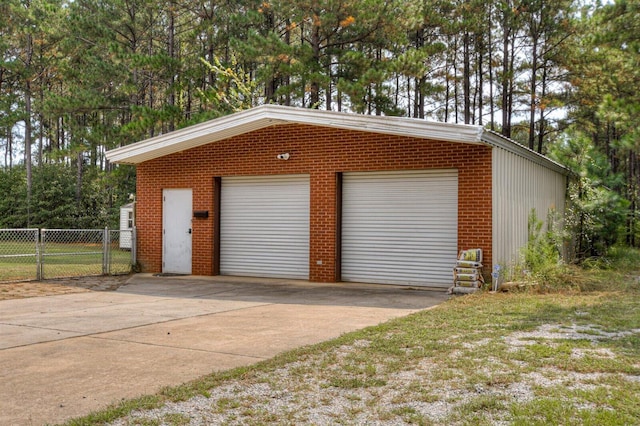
{"x": 121, "y": 252}
{"x": 34, "y": 254}
{"x": 19, "y": 253}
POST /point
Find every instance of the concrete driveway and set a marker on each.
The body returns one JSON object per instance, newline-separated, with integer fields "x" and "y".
{"x": 65, "y": 356}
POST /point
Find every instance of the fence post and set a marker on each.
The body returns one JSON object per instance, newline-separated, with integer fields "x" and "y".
{"x": 105, "y": 251}
{"x": 38, "y": 242}
{"x": 43, "y": 252}
{"x": 134, "y": 244}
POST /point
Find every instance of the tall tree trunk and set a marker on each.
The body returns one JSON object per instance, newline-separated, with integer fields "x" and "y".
{"x": 466, "y": 77}
{"x": 397, "y": 91}
{"x": 418, "y": 102}
{"x": 79, "y": 161}
{"x": 42, "y": 127}
{"x": 480, "y": 85}
{"x": 27, "y": 147}
{"x": 27, "y": 125}
{"x": 314, "y": 99}
{"x": 59, "y": 132}
{"x": 633, "y": 186}
{"x": 287, "y": 78}
{"x": 491, "y": 100}
{"x": 271, "y": 85}
{"x": 172, "y": 54}
{"x": 506, "y": 75}
{"x": 150, "y": 82}
{"x": 9, "y": 148}
{"x": 329, "y": 86}
{"x": 542, "y": 107}
{"x": 378, "y": 91}
{"x": 512, "y": 82}
{"x": 410, "y": 108}
{"x": 447, "y": 94}
{"x": 456, "y": 94}
{"x": 532, "y": 92}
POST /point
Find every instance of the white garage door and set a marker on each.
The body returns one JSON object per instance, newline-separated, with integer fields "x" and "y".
{"x": 400, "y": 227}
{"x": 264, "y": 226}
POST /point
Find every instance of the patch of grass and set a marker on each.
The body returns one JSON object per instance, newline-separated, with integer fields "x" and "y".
{"x": 575, "y": 404}
{"x": 259, "y": 416}
{"x": 458, "y": 355}
{"x": 477, "y": 410}
{"x": 543, "y": 412}
{"x": 625, "y": 402}
{"x": 628, "y": 345}
{"x": 595, "y": 364}
{"x": 446, "y": 375}
{"x": 225, "y": 404}
{"x": 410, "y": 415}
{"x": 355, "y": 382}
{"x": 116, "y": 411}
{"x": 176, "y": 419}
{"x": 58, "y": 260}
{"x": 146, "y": 422}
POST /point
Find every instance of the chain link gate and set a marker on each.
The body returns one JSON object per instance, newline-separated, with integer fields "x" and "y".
{"x": 33, "y": 254}
{"x": 71, "y": 252}
{"x": 121, "y": 251}
{"x": 19, "y": 254}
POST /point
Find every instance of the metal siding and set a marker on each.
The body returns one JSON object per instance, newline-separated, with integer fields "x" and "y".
{"x": 520, "y": 185}
{"x": 400, "y": 227}
{"x": 264, "y": 229}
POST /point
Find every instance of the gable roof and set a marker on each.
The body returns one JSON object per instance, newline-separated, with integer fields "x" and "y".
{"x": 270, "y": 115}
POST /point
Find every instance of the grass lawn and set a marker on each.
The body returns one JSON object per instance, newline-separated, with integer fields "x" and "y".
{"x": 18, "y": 260}
{"x": 564, "y": 357}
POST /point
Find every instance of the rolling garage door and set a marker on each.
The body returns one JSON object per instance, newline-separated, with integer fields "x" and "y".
{"x": 400, "y": 227}
{"x": 264, "y": 226}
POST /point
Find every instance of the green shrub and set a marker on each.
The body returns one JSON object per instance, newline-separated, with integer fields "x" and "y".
{"x": 622, "y": 259}
{"x": 540, "y": 264}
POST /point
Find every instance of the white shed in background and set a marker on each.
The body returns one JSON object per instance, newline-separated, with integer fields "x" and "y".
{"x": 127, "y": 222}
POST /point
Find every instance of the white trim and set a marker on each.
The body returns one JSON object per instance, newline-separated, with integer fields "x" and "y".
{"x": 270, "y": 115}
{"x": 495, "y": 139}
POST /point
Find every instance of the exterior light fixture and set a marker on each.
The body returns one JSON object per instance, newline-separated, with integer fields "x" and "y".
{"x": 284, "y": 156}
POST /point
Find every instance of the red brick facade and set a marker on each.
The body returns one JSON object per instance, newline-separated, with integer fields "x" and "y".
{"x": 322, "y": 153}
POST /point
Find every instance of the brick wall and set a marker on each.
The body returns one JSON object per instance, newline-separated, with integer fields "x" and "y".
{"x": 321, "y": 153}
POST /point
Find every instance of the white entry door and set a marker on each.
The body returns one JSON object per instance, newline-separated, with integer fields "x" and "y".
{"x": 176, "y": 231}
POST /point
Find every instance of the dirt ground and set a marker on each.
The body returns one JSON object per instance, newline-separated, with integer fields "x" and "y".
{"x": 21, "y": 290}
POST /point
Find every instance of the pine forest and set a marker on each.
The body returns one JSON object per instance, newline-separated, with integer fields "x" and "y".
{"x": 80, "y": 77}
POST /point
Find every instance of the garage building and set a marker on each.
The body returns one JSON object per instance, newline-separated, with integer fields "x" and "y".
{"x": 325, "y": 196}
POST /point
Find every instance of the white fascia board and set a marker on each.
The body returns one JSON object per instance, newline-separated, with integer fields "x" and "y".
{"x": 495, "y": 139}
{"x": 269, "y": 115}
{"x": 400, "y": 126}
{"x": 191, "y": 137}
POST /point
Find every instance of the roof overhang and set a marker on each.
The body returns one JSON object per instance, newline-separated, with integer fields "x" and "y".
{"x": 495, "y": 139}
{"x": 272, "y": 115}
